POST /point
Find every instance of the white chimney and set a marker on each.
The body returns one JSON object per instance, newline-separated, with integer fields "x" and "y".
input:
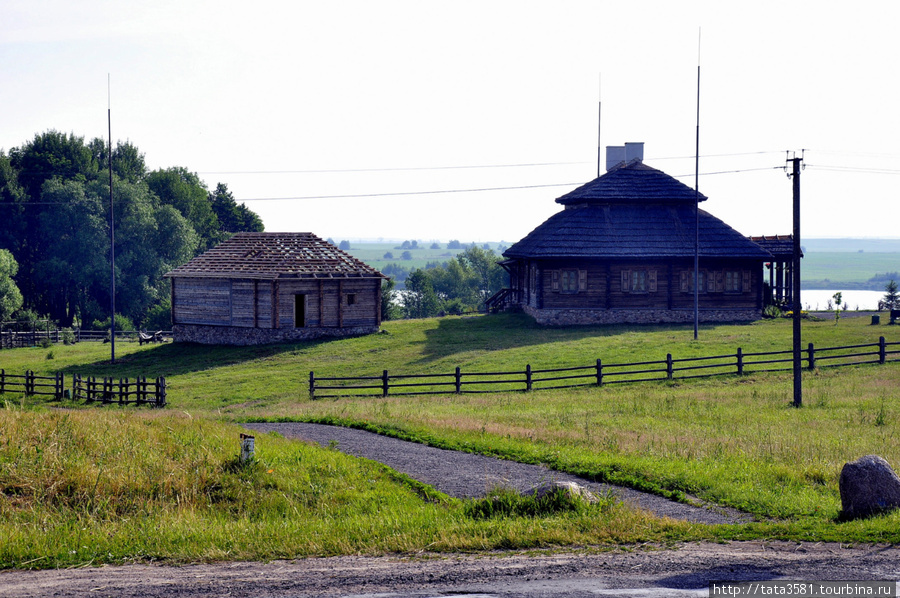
{"x": 634, "y": 150}
{"x": 615, "y": 155}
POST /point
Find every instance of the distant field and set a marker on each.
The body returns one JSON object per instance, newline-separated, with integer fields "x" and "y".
{"x": 373, "y": 253}
{"x": 834, "y": 269}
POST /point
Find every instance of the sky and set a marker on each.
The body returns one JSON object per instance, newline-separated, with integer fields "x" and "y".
{"x": 438, "y": 120}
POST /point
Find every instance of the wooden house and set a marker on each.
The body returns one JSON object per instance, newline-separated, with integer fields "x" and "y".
{"x": 622, "y": 251}
{"x": 260, "y": 288}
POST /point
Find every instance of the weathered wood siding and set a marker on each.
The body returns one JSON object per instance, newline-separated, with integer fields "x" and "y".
{"x": 641, "y": 285}
{"x": 201, "y": 301}
{"x": 329, "y": 303}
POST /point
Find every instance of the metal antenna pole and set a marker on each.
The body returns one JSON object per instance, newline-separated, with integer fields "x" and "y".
{"x": 599, "y": 107}
{"x": 795, "y": 285}
{"x": 697, "y": 205}
{"x": 112, "y": 236}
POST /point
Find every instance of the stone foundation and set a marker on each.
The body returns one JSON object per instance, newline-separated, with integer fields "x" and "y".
{"x": 571, "y": 317}
{"x": 230, "y": 335}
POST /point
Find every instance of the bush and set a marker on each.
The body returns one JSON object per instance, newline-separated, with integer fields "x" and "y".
{"x": 506, "y": 502}
{"x": 123, "y": 323}
{"x": 67, "y": 336}
{"x": 159, "y": 317}
{"x": 772, "y": 311}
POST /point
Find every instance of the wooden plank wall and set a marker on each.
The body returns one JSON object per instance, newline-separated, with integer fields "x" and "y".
{"x": 249, "y": 303}
{"x": 205, "y": 301}
{"x": 604, "y": 287}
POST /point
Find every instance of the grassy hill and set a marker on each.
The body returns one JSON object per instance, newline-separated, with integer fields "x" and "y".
{"x": 89, "y": 484}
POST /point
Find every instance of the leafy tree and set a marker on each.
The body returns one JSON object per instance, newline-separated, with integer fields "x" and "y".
{"x": 388, "y": 256}
{"x": 233, "y": 217}
{"x": 389, "y": 308}
{"x": 53, "y": 154}
{"x": 420, "y": 300}
{"x": 128, "y": 162}
{"x": 435, "y": 246}
{"x": 406, "y": 255}
{"x": 891, "y": 299}
{"x": 158, "y": 317}
{"x": 344, "y": 245}
{"x": 454, "y": 244}
{"x": 10, "y": 297}
{"x": 184, "y": 190}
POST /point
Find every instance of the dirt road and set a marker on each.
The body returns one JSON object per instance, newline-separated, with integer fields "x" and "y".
{"x": 643, "y": 572}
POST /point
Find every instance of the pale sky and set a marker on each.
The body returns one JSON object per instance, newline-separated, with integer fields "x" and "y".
{"x": 393, "y": 98}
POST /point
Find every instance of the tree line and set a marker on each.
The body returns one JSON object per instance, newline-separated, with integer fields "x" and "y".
{"x": 457, "y": 286}
{"x": 55, "y": 239}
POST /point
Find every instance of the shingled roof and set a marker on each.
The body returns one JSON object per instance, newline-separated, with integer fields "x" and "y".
{"x": 634, "y": 182}
{"x": 780, "y": 246}
{"x": 633, "y": 211}
{"x": 269, "y": 256}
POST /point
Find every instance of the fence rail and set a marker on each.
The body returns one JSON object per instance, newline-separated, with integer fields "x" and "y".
{"x": 105, "y": 390}
{"x": 598, "y": 373}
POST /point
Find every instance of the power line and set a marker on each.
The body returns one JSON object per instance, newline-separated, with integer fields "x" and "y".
{"x": 858, "y": 169}
{"x": 398, "y": 169}
{"x": 399, "y": 193}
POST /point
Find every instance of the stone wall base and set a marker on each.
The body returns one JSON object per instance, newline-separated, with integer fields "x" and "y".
{"x": 570, "y": 317}
{"x": 231, "y": 335}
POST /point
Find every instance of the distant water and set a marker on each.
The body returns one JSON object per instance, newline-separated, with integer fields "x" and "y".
{"x": 815, "y": 300}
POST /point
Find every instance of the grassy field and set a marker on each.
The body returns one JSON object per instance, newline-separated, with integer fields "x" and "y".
{"x": 92, "y": 484}
{"x": 839, "y": 269}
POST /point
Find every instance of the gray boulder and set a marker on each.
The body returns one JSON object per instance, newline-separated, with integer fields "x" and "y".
{"x": 868, "y": 486}
{"x": 571, "y": 488}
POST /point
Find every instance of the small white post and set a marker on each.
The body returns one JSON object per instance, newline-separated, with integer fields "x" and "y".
{"x": 247, "y": 448}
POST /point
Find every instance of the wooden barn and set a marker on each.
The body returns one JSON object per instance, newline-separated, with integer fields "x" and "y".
{"x": 258, "y": 288}
{"x": 622, "y": 251}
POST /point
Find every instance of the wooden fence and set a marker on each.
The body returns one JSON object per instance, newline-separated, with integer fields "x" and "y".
{"x": 598, "y": 373}
{"x": 32, "y": 384}
{"x": 105, "y": 390}
{"x": 11, "y": 339}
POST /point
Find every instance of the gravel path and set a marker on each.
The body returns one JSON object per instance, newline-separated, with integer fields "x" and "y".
{"x": 465, "y": 475}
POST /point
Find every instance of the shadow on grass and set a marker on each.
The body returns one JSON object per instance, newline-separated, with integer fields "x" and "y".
{"x": 173, "y": 359}
{"x": 497, "y": 332}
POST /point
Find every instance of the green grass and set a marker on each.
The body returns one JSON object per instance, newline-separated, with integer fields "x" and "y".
{"x": 110, "y": 484}
{"x": 837, "y": 269}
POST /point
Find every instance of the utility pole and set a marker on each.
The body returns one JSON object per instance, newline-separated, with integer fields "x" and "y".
{"x": 795, "y": 283}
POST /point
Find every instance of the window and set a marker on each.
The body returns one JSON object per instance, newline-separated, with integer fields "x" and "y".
{"x": 351, "y": 298}
{"x": 687, "y": 281}
{"x": 568, "y": 281}
{"x": 639, "y": 281}
{"x": 732, "y": 282}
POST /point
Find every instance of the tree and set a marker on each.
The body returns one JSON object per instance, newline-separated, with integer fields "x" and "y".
{"x": 388, "y": 256}
{"x": 184, "y": 190}
{"x": 420, "y": 300}
{"x": 891, "y": 299}
{"x": 454, "y": 244}
{"x": 128, "y": 162}
{"x": 344, "y": 245}
{"x": 389, "y": 308}
{"x": 435, "y": 245}
{"x": 53, "y": 155}
{"x": 10, "y": 297}
{"x": 233, "y": 217}
{"x": 406, "y": 255}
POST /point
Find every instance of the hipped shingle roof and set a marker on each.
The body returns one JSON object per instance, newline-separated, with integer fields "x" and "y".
{"x": 268, "y": 256}
{"x": 633, "y": 211}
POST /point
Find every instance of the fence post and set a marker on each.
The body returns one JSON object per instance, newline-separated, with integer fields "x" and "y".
{"x": 384, "y": 383}
{"x": 312, "y": 386}
{"x": 882, "y": 350}
{"x": 161, "y": 392}
{"x": 29, "y": 382}
{"x": 458, "y": 381}
{"x": 740, "y": 362}
{"x": 599, "y": 372}
{"x": 669, "y": 369}
{"x": 2, "y": 381}
{"x": 528, "y": 377}
{"x": 811, "y": 352}
{"x": 59, "y": 386}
